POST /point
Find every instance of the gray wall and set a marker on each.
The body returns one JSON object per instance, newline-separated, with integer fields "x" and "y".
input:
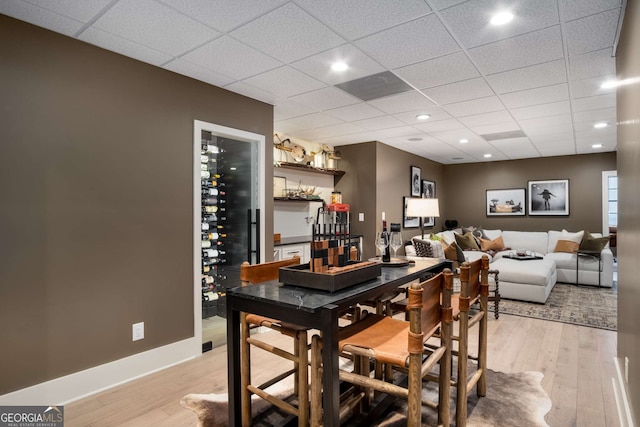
{"x": 96, "y": 211}
{"x": 466, "y": 186}
{"x": 628, "y": 105}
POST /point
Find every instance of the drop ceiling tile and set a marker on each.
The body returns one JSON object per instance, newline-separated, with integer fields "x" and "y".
{"x": 319, "y": 66}
{"x": 574, "y": 9}
{"x": 286, "y": 127}
{"x": 594, "y": 102}
{"x": 482, "y": 119}
{"x": 325, "y": 99}
{"x": 476, "y": 106}
{"x": 223, "y": 15}
{"x": 339, "y": 130}
{"x": 252, "y": 92}
{"x": 195, "y": 71}
{"x": 557, "y": 151}
{"x": 396, "y": 131}
{"x": 409, "y": 43}
{"x": 592, "y": 32}
{"x": 355, "y": 138}
{"x": 439, "y": 126}
{"x": 314, "y": 121}
{"x": 586, "y": 128}
{"x": 125, "y": 47}
{"x": 509, "y": 126}
{"x": 288, "y": 34}
{"x": 518, "y": 148}
{"x": 592, "y": 64}
{"x": 542, "y": 110}
{"x": 542, "y": 95}
{"x": 409, "y": 117}
{"x": 470, "y": 20}
{"x": 407, "y": 101}
{"x": 552, "y": 124}
{"x": 154, "y": 25}
{"x": 285, "y": 109}
{"x": 443, "y": 4}
{"x": 520, "y": 51}
{"x": 40, "y": 17}
{"x": 593, "y": 116}
{"x": 230, "y": 57}
{"x": 355, "y": 112}
{"x": 453, "y": 138}
{"x": 359, "y": 18}
{"x": 590, "y": 87}
{"x": 285, "y": 82}
{"x": 552, "y": 137}
{"x": 439, "y": 71}
{"x": 384, "y": 122}
{"x": 80, "y": 10}
{"x": 459, "y": 91}
{"x": 539, "y": 75}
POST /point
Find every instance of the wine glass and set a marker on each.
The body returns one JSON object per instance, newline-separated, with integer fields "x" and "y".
{"x": 395, "y": 242}
{"x": 382, "y": 241}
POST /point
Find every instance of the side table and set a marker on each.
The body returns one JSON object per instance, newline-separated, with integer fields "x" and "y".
{"x": 494, "y": 292}
{"x": 594, "y": 254}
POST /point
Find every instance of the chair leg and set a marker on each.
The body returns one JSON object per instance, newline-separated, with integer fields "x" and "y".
{"x": 245, "y": 371}
{"x": 302, "y": 370}
{"x": 316, "y": 381}
{"x": 414, "y": 410}
{"x": 482, "y": 349}
{"x": 461, "y": 387}
{"x": 444, "y": 384}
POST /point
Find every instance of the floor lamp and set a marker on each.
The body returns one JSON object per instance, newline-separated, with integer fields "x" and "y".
{"x": 422, "y": 208}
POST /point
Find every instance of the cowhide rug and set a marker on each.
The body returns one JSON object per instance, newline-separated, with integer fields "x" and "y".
{"x": 514, "y": 400}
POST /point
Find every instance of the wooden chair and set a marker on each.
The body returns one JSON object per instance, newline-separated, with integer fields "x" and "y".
{"x": 401, "y": 343}
{"x": 474, "y": 288}
{"x": 251, "y": 274}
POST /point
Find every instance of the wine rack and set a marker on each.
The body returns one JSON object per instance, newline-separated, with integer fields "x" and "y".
{"x": 213, "y": 219}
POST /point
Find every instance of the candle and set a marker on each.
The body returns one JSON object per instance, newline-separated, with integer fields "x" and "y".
{"x": 383, "y": 218}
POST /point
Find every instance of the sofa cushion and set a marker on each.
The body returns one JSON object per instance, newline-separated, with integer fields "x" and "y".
{"x": 467, "y": 241}
{"x": 566, "y": 246}
{"x": 554, "y": 236}
{"x": 535, "y": 241}
{"x": 492, "y": 234}
{"x": 496, "y": 244}
{"x": 537, "y": 272}
{"x": 592, "y": 243}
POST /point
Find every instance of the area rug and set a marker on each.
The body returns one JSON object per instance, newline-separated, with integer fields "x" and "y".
{"x": 515, "y": 400}
{"x": 578, "y": 305}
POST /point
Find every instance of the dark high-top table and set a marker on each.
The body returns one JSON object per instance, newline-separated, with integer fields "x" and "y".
{"x": 316, "y": 310}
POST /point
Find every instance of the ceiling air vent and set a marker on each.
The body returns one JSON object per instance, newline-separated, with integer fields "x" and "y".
{"x": 504, "y": 135}
{"x": 375, "y": 86}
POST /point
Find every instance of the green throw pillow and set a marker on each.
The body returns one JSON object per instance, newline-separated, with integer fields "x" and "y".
{"x": 467, "y": 241}
{"x": 590, "y": 243}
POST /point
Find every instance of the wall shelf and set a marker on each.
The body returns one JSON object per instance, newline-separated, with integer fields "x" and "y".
{"x": 307, "y": 168}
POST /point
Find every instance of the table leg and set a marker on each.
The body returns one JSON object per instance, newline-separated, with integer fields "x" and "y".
{"x": 330, "y": 375}
{"x": 233, "y": 364}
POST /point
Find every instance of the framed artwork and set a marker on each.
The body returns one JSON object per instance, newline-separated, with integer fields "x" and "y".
{"x": 416, "y": 189}
{"x": 507, "y": 202}
{"x": 408, "y": 221}
{"x": 429, "y": 192}
{"x": 279, "y": 186}
{"x": 550, "y": 197}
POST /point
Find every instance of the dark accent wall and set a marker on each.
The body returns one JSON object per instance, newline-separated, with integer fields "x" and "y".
{"x": 466, "y": 186}
{"x": 628, "y": 107}
{"x": 377, "y": 177}
{"x": 96, "y": 169}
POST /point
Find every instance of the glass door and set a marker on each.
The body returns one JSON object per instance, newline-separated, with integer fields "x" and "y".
{"x": 609, "y": 200}
{"x": 228, "y": 212}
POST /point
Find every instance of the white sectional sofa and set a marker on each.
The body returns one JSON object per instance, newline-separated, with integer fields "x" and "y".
{"x": 533, "y": 280}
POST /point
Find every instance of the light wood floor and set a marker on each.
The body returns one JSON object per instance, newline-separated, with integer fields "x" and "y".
{"x": 577, "y": 363}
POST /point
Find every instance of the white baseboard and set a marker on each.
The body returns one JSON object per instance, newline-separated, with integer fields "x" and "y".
{"x": 63, "y": 390}
{"x": 622, "y": 399}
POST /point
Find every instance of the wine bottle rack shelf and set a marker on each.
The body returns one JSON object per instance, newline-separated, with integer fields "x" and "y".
{"x": 307, "y": 168}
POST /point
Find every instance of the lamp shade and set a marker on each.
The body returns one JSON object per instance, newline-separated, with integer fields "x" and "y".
{"x": 423, "y": 207}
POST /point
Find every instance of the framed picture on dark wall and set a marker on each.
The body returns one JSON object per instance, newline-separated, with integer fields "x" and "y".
{"x": 416, "y": 189}
{"x": 550, "y": 197}
{"x": 507, "y": 202}
{"x": 408, "y": 221}
{"x": 428, "y": 189}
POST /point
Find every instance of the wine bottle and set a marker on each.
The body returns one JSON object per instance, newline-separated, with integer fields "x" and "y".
{"x": 210, "y": 236}
{"x": 205, "y": 226}
{"x": 209, "y": 209}
{"x": 207, "y": 280}
{"x": 210, "y": 148}
{"x": 210, "y": 218}
{"x": 386, "y": 255}
{"x": 205, "y": 174}
{"x": 213, "y": 201}
{"x": 210, "y": 253}
{"x": 210, "y": 191}
{"x": 206, "y": 243}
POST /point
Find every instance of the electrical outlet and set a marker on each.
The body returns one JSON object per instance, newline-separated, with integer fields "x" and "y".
{"x": 626, "y": 369}
{"x": 138, "y": 331}
{"x": 361, "y": 216}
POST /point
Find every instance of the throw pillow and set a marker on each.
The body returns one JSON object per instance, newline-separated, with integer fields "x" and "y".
{"x": 590, "y": 243}
{"x": 467, "y": 241}
{"x": 454, "y": 253}
{"x": 435, "y": 237}
{"x": 574, "y": 237}
{"x": 496, "y": 244}
{"x": 438, "y": 250}
{"x": 423, "y": 248}
{"x": 566, "y": 246}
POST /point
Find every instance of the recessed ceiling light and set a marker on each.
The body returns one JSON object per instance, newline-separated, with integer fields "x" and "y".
{"x": 596, "y": 146}
{"x": 233, "y": 168}
{"x": 339, "y": 66}
{"x": 423, "y": 116}
{"x": 486, "y": 156}
{"x": 414, "y": 139}
{"x": 615, "y": 83}
{"x": 463, "y": 141}
{"x": 501, "y": 18}
{"x": 600, "y": 125}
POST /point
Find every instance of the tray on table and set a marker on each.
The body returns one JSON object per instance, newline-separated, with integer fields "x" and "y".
{"x": 354, "y": 273}
{"x": 523, "y": 257}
